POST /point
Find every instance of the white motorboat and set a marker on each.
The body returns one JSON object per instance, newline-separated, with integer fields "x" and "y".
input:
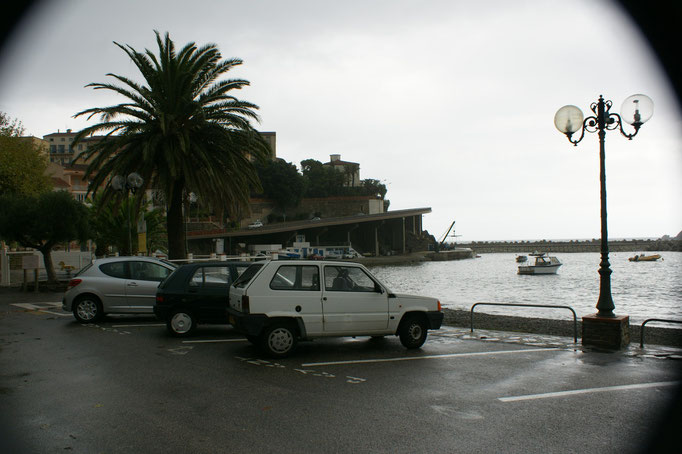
{"x": 544, "y": 264}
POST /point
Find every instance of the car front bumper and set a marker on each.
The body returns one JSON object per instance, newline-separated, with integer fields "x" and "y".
{"x": 435, "y": 319}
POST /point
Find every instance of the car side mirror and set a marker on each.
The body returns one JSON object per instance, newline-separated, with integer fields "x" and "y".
{"x": 378, "y": 288}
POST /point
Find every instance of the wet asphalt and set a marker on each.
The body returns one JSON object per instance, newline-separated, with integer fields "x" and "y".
{"x": 124, "y": 385}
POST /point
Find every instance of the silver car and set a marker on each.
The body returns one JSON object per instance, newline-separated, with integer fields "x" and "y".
{"x": 116, "y": 285}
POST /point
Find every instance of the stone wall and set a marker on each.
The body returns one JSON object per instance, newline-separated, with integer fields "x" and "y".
{"x": 326, "y": 207}
{"x": 653, "y": 334}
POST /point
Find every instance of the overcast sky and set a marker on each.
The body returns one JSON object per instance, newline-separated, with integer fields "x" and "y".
{"x": 449, "y": 103}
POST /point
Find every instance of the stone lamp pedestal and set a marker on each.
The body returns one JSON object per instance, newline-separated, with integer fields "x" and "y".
{"x": 606, "y": 332}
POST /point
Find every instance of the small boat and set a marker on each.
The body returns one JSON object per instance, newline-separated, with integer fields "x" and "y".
{"x": 645, "y": 258}
{"x": 521, "y": 258}
{"x": 544, "y": 264}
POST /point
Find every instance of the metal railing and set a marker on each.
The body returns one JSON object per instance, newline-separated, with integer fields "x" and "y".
{"x": 641, "y": 329}
{"x": 575, "y": 317}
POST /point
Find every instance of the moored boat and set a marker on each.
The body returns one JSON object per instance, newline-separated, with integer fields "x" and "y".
{"x": 544, "y": 264}
{"x": 521, "y": 258}
{"x": 645, "y": 258}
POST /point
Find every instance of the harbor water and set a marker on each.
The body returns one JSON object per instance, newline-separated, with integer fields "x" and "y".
{"x": 641, "y": 290}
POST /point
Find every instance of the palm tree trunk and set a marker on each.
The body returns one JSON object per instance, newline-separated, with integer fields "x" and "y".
{"x": 175, "y": 225}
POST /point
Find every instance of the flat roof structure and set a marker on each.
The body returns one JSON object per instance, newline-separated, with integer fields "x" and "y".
{"x": 364, "y": 232}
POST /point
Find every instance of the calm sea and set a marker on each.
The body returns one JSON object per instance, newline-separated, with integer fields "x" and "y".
{"x": 640, "y": 289}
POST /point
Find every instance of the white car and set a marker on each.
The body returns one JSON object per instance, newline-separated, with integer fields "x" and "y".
{"x": 122, "y": 285}
{"x": 256, "y": 224}
{"x": 276, "y": 303}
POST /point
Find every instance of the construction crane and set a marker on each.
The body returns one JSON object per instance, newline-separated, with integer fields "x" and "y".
{"x": 444, "y": 237}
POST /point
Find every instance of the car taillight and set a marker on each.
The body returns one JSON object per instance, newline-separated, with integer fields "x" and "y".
{"x": 440, "y": 309}
{"x": 72, "y": 283}
{"x": 245, "y": 304}
{"x": 159, "y": 299}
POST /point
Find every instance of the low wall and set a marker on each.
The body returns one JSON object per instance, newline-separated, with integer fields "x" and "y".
{"x": 459, "y": 318}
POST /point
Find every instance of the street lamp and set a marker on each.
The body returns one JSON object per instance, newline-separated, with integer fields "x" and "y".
{"x": 636, "y": 110}
{"x": 132, "y": 184}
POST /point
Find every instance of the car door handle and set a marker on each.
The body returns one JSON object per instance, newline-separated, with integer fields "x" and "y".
{"x": 132, "y": 284}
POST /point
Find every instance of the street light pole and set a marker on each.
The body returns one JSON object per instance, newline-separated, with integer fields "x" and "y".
{"x": 132, "y": 184}
{"x": 636, "y": 110}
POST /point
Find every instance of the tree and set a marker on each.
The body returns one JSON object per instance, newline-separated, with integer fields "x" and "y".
{"x": 321, "y": 180}
{"x": 110, "y": 227}
{"x": 43, "y": 221}
{"x": 181, "y": 131}
{"x": 22, "y": 166}
{"x": 282, "y": 183}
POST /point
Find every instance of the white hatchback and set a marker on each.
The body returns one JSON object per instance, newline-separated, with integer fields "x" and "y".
{"x": 276, "y": 303}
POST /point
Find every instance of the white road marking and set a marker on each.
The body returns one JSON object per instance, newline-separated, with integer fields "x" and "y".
{"x": 445, "y": 356}
{"x": 42, "y": 307}
{"x": 145, "y": 325}
{"x": 58, "y": 314}
{"x": 588, "y": 390}
{"x": 208, "y": 341}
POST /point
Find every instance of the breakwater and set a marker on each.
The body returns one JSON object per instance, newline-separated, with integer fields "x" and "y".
{"x": 525, "y": 247}
{"x": 654, "y": 335}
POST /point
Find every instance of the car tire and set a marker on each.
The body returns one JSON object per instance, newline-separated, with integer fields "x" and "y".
{"x": 279, "y": 340}
{"x": 181, "y": 323}
{"x": 412, "y": 332}
{"x": 87, "y": 309}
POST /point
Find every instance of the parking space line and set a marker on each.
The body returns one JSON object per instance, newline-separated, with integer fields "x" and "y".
{"x": 140, "y": 325}
{"x": 43, "y": 307}
{"x": 62, "y": 314}
{"x": 588, "y": 390}
{"x": 208, "y": 341}
{"x": 445, "y": 356}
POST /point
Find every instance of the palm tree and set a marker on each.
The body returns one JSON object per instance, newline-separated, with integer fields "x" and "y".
{"x": 181, "y": 131}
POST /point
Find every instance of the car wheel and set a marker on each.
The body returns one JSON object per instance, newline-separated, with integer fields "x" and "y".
{"x": 413, "y": 332}
{"x": 181, "y": 323}
{"x": 87, "y": 309}
{"x": 279, "y": 340}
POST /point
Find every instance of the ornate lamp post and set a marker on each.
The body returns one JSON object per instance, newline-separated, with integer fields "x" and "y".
{"x": 604, "y": 328}
{"x": 636, "y": 110}
{"x": 132, "y": 184}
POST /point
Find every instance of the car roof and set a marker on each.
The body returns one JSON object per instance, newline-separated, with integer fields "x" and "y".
{"x": 314, "y": 262}
{"x": 128, "y": 258}
{"x": 215, "y": 263}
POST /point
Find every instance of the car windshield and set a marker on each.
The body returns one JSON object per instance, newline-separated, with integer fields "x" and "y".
{"x": 246, "y": 276}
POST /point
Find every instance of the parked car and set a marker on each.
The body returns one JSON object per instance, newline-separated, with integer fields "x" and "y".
{"x": 196, "y": 293}
{"x": 115, "y": 285}
{"x": 256, "y": 224}
{"x": 276, "y": 304}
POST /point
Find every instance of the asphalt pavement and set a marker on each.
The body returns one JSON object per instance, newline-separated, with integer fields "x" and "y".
{"x": 124, "y": 385}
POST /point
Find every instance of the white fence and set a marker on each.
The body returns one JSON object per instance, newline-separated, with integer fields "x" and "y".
{"x": 66, "y": 263}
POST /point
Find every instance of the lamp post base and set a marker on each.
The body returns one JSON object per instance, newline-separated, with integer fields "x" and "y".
{"x": 606, "y": 332}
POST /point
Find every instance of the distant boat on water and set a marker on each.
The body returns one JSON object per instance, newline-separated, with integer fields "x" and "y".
{"x": 544, "y": 264}
{"x": 521, "y": 258}
{"x": 645, "y": 258}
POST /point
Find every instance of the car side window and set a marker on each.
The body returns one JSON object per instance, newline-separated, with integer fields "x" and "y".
{"x": 211, "y": 276}
{"x": 147, "y": 271}
{"x": 114, "y": 269}
{"x": 296, "y": 277}
{"x": 347, "y": 279}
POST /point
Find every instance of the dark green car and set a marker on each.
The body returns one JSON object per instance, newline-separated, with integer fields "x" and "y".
{"x": 196, "y": 293}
